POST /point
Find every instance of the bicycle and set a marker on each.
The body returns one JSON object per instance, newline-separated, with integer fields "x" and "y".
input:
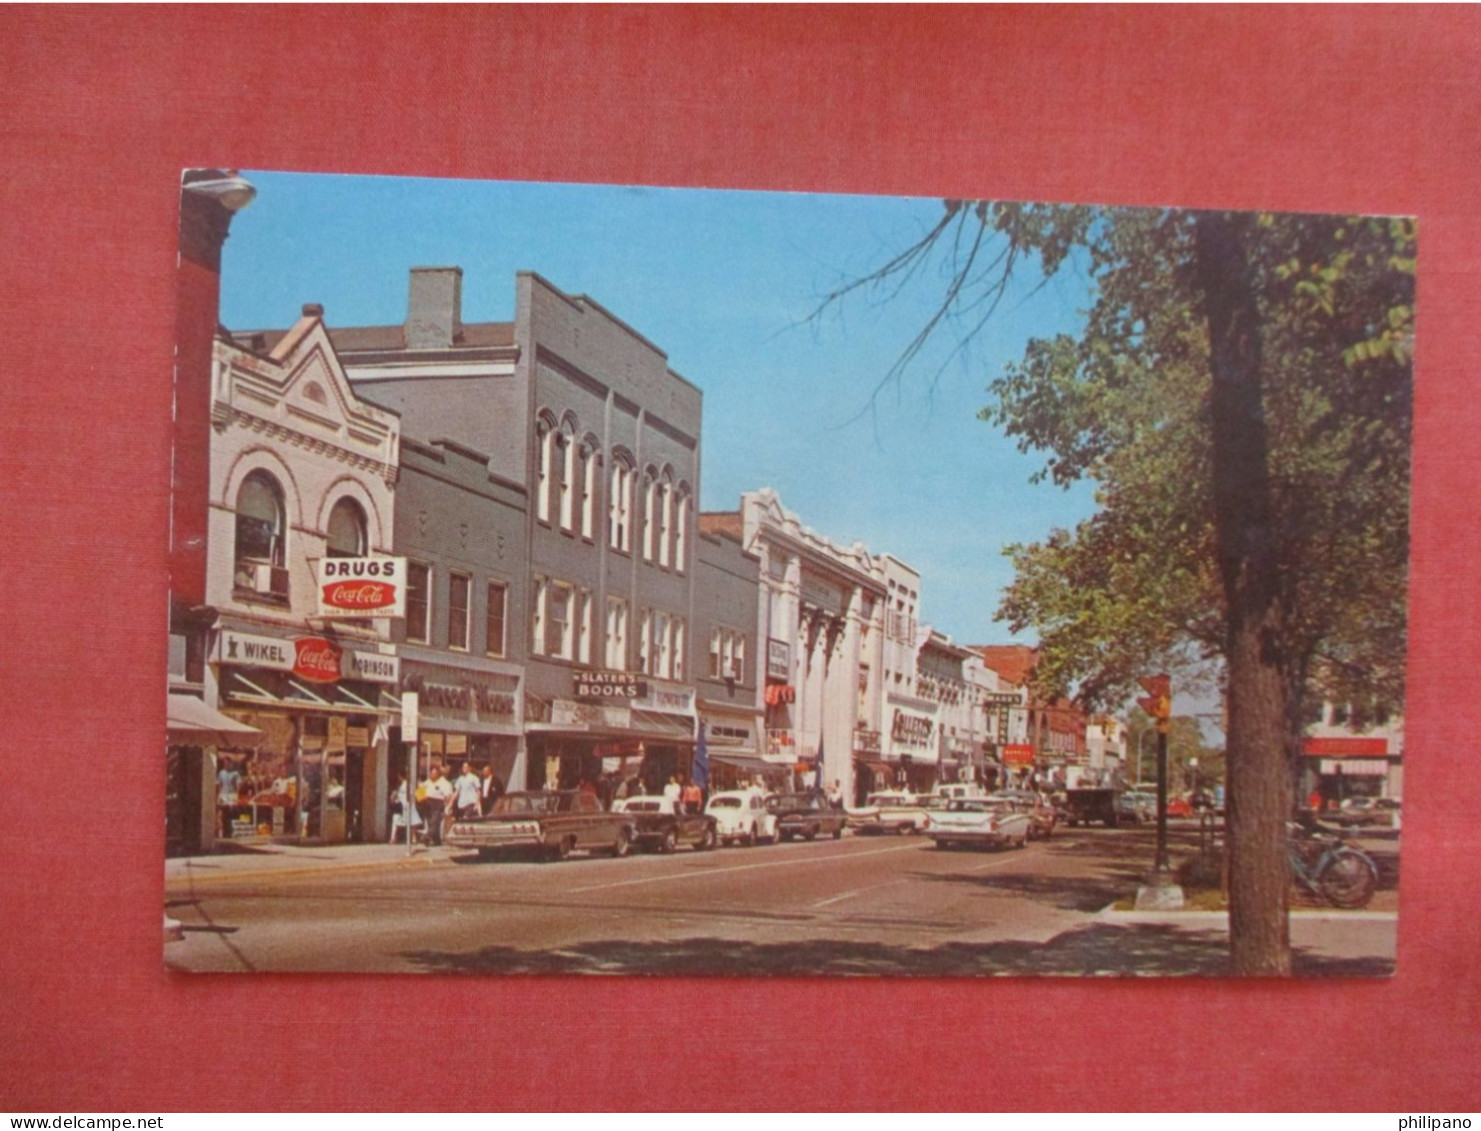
{"x": 1330, "y": 868}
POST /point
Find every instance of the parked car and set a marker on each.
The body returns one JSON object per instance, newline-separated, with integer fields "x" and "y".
{"x": 1041, "y": 815}
{"x": 889, "y": 811}
{"x": 660, "y": 823}
{"x": 552, "y": 823}
{"x": 1091, "y": 804}
{"x": 741, "y": 817}
{"x": 1136, "y": 807}
{"x": 807, "y": 815}
{"x": 979, "y": 821}
{"x": 1366, "y": 812}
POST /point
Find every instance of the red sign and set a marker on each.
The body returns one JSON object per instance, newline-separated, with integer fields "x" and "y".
{"x": 1016, "y": 754}
{"x": 1159, "y": 691}
{"x": 1346, "y": 747}
{"x": 317, "y": 659}
{"x": 358, "y": 596}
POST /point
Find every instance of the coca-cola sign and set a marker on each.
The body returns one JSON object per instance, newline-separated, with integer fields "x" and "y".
{"x": 317, "y": 659}
{"x": 362, "y": 587}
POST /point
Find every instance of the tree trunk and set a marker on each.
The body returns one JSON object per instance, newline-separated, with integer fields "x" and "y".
{"x": 1259, "y": 791}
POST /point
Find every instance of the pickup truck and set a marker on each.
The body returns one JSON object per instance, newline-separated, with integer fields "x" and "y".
{"x": 806, "y": 815}
{"x": 551, "y": 823}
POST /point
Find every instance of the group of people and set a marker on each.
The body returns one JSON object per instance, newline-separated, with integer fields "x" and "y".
{"x": 438, "y": 798}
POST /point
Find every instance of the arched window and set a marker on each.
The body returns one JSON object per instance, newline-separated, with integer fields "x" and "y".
{"x": 665, "y": 519}
{"x": 546, "y": 435}
{"x": 650, "y": 513}
{"x": 259, "y": 535}
{"x": 620, "y": 505}
{"x": 590, "y": 461}
{"x": 347, "y": 531}
{"x": 681, "y": 527}
{"x": 565, "y": 463}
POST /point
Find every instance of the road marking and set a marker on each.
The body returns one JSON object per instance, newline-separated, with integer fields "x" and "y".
{"x": 705, "y": 873}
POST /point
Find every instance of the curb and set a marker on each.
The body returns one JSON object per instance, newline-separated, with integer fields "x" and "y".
{"x": 1221, "y": 918}
{"x": 193, "y": 876}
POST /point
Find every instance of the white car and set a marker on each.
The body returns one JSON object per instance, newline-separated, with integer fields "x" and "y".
{"x": 979, "y": 821}
{"x": 741, "y": 817}
{"x": 889, "y": 811}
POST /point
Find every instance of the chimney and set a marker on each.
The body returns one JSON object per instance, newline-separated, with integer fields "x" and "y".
{"x": 434, "y": 311}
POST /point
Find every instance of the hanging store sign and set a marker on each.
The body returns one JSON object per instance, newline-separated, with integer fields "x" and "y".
{"x": 778, "y": 659}
{"x": 1018, "y": 754}
{"x": 361, "y": 587}
{"x": 610, "y": 685}
{"x": 1346, "y": 747}
{"x": 585, "y": 716}
{"x": 372, "y": 667}
{"x": 912, "y": 730}
{"x": 317, "y": 659}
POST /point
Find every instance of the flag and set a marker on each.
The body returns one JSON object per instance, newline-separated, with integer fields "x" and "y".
{"x": 701, "y": 773}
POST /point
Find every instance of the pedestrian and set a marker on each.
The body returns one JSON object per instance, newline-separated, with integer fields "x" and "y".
{"x": 436, "y": 791}
{"x": 693, "y": 797}
{"x": 228, "y": 783}
{"x": 400, "y": 808}
{"x": 835, "y": 794}
{"x": 468, "y": 790}
{"x": 673, "y": 791}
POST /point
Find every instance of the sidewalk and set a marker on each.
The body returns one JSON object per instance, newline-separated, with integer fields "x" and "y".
{"x": 258, "y": 860}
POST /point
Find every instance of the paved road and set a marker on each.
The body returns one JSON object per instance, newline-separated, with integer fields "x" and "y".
{"x": 892, "y": 905}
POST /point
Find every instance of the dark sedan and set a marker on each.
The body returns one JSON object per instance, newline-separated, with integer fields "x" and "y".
{"x": 808, "y": 815}
{"x": 660, "y": 823}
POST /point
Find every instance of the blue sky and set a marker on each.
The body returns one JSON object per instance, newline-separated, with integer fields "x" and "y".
{"x": 724, "y": 282}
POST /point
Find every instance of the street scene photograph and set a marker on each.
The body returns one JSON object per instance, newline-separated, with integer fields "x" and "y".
{"x": 607, "y": 579}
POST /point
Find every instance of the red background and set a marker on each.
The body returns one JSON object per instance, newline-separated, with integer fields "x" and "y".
{"x": 1322, "y": 109}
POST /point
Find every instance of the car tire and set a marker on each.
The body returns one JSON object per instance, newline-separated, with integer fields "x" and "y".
{"x": 838, "y": 833}
{"x": 670, "y": 842}
{"x": 565, "y": 847}
{"x": 776, "y": 835}
{"x": 623, "y": 844}
{"x": 751, "y": 837}
{"x": 707, "y": 841}
{"x": 943, "y": 844}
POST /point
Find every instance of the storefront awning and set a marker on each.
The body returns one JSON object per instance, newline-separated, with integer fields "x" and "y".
{"x": 747, "y": 761}
{"x": 191, "y": 722}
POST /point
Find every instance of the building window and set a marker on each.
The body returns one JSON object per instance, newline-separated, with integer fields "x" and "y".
{"x": 681, "y": 530}
{"x": 565, "y": 458}
{"x": 459, "y": 590}
{"x": 661, "y": 644}
{"x": 547, "y": 436}
{"x": 418, "y": 601}
{"x": 259, "y": 534}
{"x": 665, "y": 521}
{"x": 347, "y": 538}
{"x": 650, "y": 516}
{"x": 728, "y": 654}
{"x": 616, "y": 634}
{"x": 558, "y": 629}
{"x": 645, "y": 640}
{"x": 678, "y": 650}
{"x": 583, "y": 627}
{"x": 619, "y": 507}
{"x": 589, "y": 464}
{"x": 494, "y": 618}
{"x": 537, "y": 617}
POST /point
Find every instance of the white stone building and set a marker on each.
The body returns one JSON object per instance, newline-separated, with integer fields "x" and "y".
{"x": 300, "y": 469}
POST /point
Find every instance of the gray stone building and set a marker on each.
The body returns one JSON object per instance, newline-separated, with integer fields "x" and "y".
{"x": 583, "y": 414}
{"x": 462, "y": 530}
{"x": 728, "y": 675}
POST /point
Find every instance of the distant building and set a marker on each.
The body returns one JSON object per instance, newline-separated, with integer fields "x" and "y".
{"x": 1055, "y": 749}
{"x": 1352, "y": 750}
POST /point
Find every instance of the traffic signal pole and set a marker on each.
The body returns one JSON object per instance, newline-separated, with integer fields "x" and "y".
{"x": 1161, "y": 866}
{"x": 1160, "y": 892}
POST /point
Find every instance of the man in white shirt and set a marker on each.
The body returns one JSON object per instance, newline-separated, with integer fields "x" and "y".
{"x": 436, "y": 789}
{"x": 469, "y": 790}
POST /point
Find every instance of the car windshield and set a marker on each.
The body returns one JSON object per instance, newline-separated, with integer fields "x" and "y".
{"x": 725, "y": 803}
{"x": 970, "y": 805}
{"x": 889, "y": 801}
{"x": 645, "y": 805}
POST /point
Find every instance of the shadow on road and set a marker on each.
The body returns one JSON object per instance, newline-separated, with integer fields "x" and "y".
{"x": 1100, "y": 949}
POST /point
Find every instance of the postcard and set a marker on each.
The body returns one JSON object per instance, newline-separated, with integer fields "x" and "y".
{"x": 580, "y": 579}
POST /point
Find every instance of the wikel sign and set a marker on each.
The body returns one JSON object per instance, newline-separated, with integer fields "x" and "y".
{"x": 361, "y": 587}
